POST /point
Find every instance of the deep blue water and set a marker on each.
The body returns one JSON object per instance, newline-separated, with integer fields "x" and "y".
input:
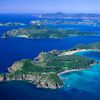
{"x": 14, "y": 49}
{"x": 27, "y": 18}
{"x": 78, "y": 27}
{"x": 83, "y": 85}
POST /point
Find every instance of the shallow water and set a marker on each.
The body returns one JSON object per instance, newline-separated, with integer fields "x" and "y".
{"x": 86, "y": 80}
{"x": 82, "y": 85}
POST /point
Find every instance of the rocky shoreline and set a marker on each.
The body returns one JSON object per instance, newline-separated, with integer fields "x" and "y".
{"x": 44, "y": 72}
{"x": 32, "y": 79}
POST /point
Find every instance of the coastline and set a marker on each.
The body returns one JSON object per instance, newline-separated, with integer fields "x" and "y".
{"x": 69, "y": 71}
{"x": 73, "y": 52}
{"x": 75, "y": 70}
{"x": 35, "y": 78}
{"x": 77, "y": 51}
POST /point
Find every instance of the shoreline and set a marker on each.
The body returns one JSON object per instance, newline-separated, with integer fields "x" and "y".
{"x": 77, "y": 51}
{"x": 27, "y": 37}
{"x": 73, "y": 52}
{"x": 69, "y": 71}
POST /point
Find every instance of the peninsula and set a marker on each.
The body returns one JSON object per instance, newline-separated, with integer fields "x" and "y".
{"x": 44, "y": 70}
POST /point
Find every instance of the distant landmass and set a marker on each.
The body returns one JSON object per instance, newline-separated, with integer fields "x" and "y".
{"x": 68, "y": 16}
{"x": 12, "y": 24}
{"x": 40, "y": 31}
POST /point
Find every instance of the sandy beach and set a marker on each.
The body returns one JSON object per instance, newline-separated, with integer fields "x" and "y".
{"x": 76, "y": 51}
{"x": 69, "y": 71}
{"x": 73, "y": 52}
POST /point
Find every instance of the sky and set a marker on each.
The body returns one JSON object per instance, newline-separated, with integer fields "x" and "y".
{"x": 49, "y": 6}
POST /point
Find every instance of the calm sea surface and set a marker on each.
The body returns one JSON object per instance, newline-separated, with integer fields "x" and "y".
{"x": 82, "y": 85}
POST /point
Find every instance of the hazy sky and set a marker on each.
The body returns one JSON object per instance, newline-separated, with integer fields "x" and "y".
{"x": 33, "y": 6}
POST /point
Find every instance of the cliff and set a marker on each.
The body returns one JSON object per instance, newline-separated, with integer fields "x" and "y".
{"x": 43, "y": 71}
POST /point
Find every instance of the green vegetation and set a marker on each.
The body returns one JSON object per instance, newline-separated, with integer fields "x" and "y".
{"x": 61, "y": 63}
{"x": 40, "y": 31}
{"x": 44, "y": 70}
{"x": 95, "y": 46}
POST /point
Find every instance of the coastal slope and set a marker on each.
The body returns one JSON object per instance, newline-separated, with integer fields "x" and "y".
{"x": 44, "y": 70}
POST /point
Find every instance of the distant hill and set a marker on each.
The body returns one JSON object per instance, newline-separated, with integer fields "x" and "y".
{"x": 66, "y": 15}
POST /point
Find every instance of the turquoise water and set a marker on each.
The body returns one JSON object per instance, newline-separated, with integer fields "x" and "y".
{"x": 86, "y": 80}
{"x": 91, "y": 54}
{"x": 82, "y": 85}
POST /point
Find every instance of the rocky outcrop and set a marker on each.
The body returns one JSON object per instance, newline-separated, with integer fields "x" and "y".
{"x": 1, "y": 78}
{"x": 43, "y": 71}
{"x": 15, "y": 67}
{"x": 38, "y": 80}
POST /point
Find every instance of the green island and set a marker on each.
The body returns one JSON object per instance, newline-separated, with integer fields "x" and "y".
{"x": 87, "y": 22}
{"x": 44, "y": 71}
{"x": 41, "y": 31}
{"x": 93, "y": 46}
{"x": 12, "y": 24}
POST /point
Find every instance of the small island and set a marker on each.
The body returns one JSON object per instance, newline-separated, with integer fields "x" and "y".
{"x": 93, "y": 46}
{"x": 41, "y": 31}
{"x": 12, "y": 24}
{"x": 44, "y": 71}
{"x": 86, "y": 22}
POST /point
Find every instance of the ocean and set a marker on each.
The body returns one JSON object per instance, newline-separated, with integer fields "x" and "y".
{"x": 82, "y": 85}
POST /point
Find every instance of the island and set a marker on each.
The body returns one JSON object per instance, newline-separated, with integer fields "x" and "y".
{"x": 84, "y": 22}
{"x": 44, "y": 71}
{"x": 61, "y": 15}
{"x": 12, "y": 24}
{"x": 42, "y": 31}
{"x": 86, "y": 47}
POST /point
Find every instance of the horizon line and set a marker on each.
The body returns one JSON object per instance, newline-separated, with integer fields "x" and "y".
{"x": 47, "y": 13}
